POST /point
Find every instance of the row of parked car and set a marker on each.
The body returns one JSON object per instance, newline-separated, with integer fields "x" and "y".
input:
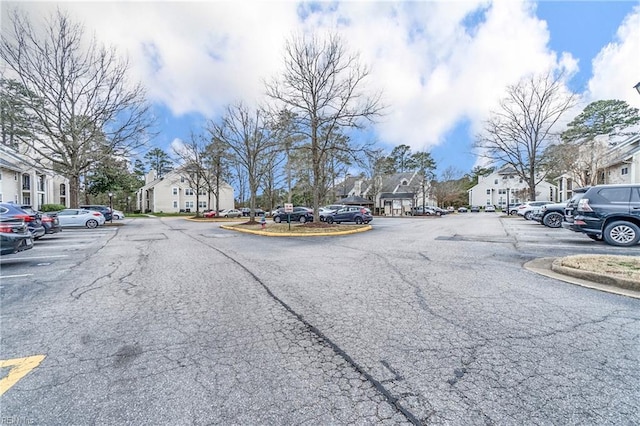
{"x": 601, "y": 212}
{"x": 21, "y": 225}
{"x": 335, "y": 213}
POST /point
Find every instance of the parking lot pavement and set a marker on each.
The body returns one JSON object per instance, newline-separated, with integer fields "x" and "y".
{"x": 53, "y": 254}
{"x": 414, "y": 322}
{"x": 535, "y": 239}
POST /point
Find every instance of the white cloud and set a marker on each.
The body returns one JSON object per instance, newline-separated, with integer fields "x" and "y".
{"x": 437, "y": 62}
{"x": 616, "y": 69}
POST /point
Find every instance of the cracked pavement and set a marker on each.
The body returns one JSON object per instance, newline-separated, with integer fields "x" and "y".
{"x": 175, "y": 322}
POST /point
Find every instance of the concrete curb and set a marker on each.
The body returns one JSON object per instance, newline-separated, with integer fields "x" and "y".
{"x": 310, "y": 234}
{"x": 545, "y": 266}
{"x": 605, "y": 279}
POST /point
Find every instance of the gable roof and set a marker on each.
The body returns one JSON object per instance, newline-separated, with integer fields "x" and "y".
{"x": 354, "y": 200}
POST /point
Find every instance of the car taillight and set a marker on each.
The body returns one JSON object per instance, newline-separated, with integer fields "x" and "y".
{"x": 97, "y": 214}
{"x": 25, "y": 217}
{"x": 47, "y": 219}
{"x": 583, "y": 205}
{"x": 6, "y": 229}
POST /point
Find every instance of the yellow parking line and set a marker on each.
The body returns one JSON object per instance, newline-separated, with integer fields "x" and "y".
{"x": 20, "y": 367}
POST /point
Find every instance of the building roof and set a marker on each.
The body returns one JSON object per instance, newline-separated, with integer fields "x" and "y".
{"x": 354, "y": 200}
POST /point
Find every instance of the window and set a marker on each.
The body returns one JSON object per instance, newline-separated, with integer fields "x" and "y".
{"x": 63, "y": 189}
{"x": 625, "y": 170}
{"x": 202, "y": 192}
{"x": 175, "y": 191}
{"x": 26, "y": 183}
{"x": 181, "y": 179}
{"x": 188, "y": 191}
{"x": 202, "y": 204}
{"x": 488, "y": 192}
{"x": 502, "y": 191}
{"x": 495, "y": 182}
{"x": 175, "y": 204}
{"x": 504, "y": 177}
{"x": 188, "y": 204}
{"x": 616, "y": 195}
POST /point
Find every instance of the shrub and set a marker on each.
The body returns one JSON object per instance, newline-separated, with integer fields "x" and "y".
{"x": 52, "y": 207}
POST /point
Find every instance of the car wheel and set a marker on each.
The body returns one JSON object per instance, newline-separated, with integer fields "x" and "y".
{"x": 329, "y": 220}
{"x": 553, "y": 220}
{"x": 622, "y": 234}
{"x": 358, "y": 221}
{"x": 91, "y": 223}
{"x": 595, "y": 237}
{"x": 277, "y": 219}
{"x": 528, "y": 215}
{"x": 302, "y": 219}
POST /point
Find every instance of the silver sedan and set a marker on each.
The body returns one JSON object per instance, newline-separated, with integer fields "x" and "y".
{"x": 80, "y": 217}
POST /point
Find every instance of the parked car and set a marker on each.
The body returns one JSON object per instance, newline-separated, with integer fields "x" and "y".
{"x": 462, "y": 210}
{"x": 299, "y": 214}
{"x": 489, "y": 208}
{"x": 14, "y": 235}
{"x": 105, "y": 210}
{"x": 475, "y": 209}
{"x": 210, "y": 213}
{"x": 33, "y": 220}
{"x": 326, "y": 211}
{"x": 51, "y": 223}
{"x": 357, "y": 214}
{"x": 49, "y": 220}
{"x": 513, "y": 208}
{"x": 80, "y": 217}
{"x": 609, "y": 212}
{"x": 419, "y": 211}
{"x": 550, "y": 215}
{"x": 526, "y": 210}
{"x": 229, "y": 213}
{"x": 117, "y": 214}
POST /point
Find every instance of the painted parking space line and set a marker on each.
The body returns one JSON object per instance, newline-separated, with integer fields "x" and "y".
{"x": 19, "y": 367}
{"x": 53, "y": 256}
{"x": 15, "y": 276}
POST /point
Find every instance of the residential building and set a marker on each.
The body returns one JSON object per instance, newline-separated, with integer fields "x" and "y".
{"x": 504, "y": 183}
{"x": 620, "y": 164}
{"x": 396, "y": 194}
{"x": 172, "y": 193}
{"x": 22, "y": 181}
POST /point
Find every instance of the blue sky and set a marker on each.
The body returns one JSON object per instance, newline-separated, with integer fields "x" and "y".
{"x": 442, "y": 65}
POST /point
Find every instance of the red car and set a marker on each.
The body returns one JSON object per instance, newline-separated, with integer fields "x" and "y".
{"x": 211, "y": 213}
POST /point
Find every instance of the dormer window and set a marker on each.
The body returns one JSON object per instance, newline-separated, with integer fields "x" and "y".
{"x": 404, "y": 182}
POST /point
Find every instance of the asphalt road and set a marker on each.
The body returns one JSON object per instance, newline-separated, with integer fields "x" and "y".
{"x": 419, "y": 321}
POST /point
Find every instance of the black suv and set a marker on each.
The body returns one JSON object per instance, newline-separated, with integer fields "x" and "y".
{"x": 106, "y": 211}
{"x": 609, "y": 212}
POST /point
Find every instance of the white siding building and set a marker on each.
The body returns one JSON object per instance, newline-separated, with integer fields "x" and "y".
{"x": 621, "y": 165}
{"x": 23, "y": 182}
{"x": 172, "y": 194}
{"x": 493, "y": 189}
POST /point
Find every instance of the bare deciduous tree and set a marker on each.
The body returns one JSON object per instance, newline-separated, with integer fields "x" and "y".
{"x": 247, "y": 134}
{"x": 82, "y": 104}
{"x": 192, "y": 156}
{"x": 520, "y": 130}
{"x": 322, "y": 86}
{"x": 587, "y": 139}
